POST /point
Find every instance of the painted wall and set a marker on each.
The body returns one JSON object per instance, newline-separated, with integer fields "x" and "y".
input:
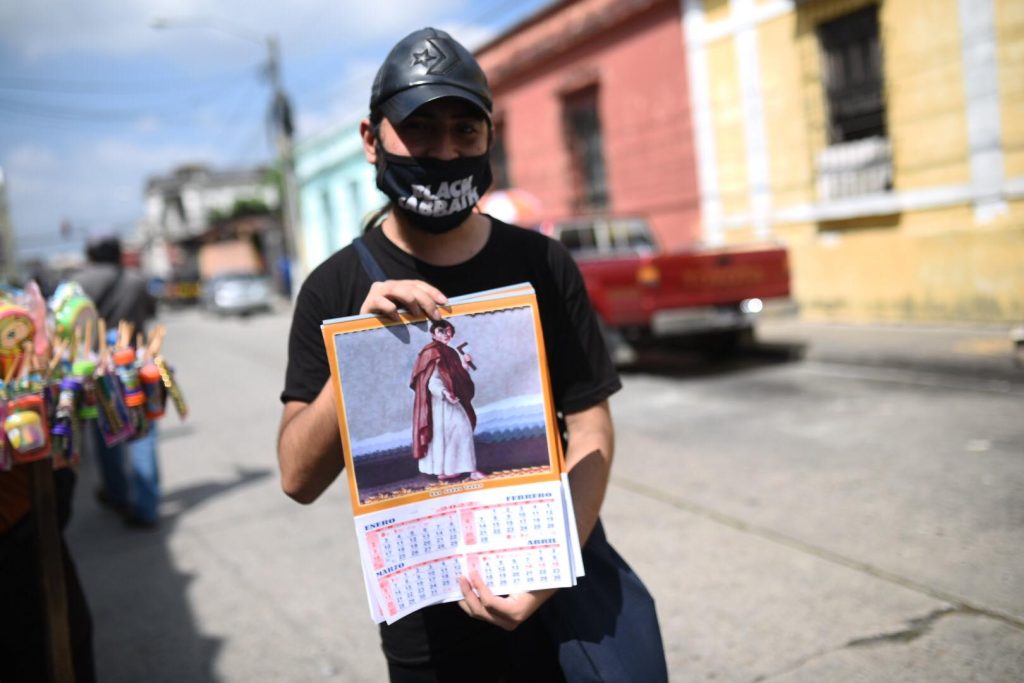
{"x": 1010, "y": 57}
{"x": 637, "y": 61}
{"x": 947, "y": 243}
{"x": 337, "y": 191}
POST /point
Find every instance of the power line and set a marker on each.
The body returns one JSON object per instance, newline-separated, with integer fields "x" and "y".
{"x": 71, "y": 86}
{"x": 72, "y": 113}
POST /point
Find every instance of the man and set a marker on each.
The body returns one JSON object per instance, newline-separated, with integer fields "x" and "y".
{"x": 443, "y": 415}
{"x": 428, "y": 134}
{"x": 130, "y": 474}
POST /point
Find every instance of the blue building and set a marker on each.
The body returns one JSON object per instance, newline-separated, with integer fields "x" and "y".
{"x": 337, "y": 191}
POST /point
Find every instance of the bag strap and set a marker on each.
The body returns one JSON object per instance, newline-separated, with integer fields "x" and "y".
{"x": 370, "y": 264}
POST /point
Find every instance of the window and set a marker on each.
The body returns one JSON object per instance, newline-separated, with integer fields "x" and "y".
{"x": 355, "y": 200}
{"x": 499, "y": 157}
{"x": 330, "y": 225}
{"x": 327, "y": 207}
{"x": 356, "y": 213}
{"x": 852, "y": 65}
{"x": 858, "y": 160}
{"x": 583, "y": 135}
{"x": 631, "y": 234}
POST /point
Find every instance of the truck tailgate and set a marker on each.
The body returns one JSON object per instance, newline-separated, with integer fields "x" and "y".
{"x": 630, "y": 291}
{"x": 719, "y": 277}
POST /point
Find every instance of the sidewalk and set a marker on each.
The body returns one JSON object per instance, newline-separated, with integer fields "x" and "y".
{"x": 759, "y": 561}
{"x": 982, "y": 352}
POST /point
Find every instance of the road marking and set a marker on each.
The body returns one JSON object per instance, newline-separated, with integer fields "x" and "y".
{"x": 958, "y": 601}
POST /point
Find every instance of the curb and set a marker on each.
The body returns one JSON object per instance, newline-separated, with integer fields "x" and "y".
{"x": 985, "y": 353}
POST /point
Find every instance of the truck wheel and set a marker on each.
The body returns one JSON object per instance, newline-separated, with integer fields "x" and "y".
{"x": 726, "y": 345}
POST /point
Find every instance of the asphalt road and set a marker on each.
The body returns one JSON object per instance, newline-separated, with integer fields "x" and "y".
{"x": 796, "y": 520}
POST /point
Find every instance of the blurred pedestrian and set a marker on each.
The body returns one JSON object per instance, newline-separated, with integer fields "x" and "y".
{"x": 129, "y": 471}
{"x": 24, "y": 636}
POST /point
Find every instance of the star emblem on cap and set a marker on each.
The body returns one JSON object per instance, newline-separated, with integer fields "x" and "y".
{"x": 423, "y": 57}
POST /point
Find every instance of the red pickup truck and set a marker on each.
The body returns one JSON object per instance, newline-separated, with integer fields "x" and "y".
{"x": 712, "y": 296}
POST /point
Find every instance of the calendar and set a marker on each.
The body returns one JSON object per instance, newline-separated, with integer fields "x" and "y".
{"x": 453, "y": 457}
{"x": 517, "y": 538}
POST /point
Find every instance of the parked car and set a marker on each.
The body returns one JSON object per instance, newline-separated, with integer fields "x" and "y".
{"x": 640, "y": 292}
{"x": 181, "y": 289}
{"x": 237, "y": 293}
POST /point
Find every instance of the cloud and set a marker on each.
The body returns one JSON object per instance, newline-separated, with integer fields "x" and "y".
{"x": 32, "y": 158}
{"x": 147, "y": 124}
{"x": 45, "y": 28}
{"x": 49, "y": 27}
{"x": 181, "y": 95}
{"x": 346, "y": 100}
{"x": 339, "y": 103}
{"x": 97, "y": 185}
{"x": 470, "y": 35}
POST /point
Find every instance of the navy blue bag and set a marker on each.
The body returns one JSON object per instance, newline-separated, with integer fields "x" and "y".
{"x": 606, "y": 627}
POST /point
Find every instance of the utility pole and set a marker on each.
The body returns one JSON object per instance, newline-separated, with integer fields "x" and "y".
{"x": 284, "y": 133}
{"x": 8, "y": 265}
{"x": 282, "y": 129}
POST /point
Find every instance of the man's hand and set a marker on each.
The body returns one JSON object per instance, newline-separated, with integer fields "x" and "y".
{"x": 415, "y": 296}
{"x": 507, "y": 612}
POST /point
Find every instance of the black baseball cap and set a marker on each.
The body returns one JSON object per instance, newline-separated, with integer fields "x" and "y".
{"x": 426, "y": 65}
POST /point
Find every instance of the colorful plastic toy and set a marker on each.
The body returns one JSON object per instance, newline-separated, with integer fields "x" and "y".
{"x": 26, "y": 429}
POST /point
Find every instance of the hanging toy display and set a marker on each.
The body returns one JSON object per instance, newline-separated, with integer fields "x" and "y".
{"x": 170, "y": 383}
{"x": 115, "y": 423}
{"x": 16, "y": 327}
{"x": 6, "y": 459}
{"x": 66, "y": 430}
{"x": 26, "y": 428}
{"x": 84, "y": 371}
{"x": 73, "y": 311}
{"x": 149, "y": 374}
{"x": 52, "y": 383}
{"x": 127, "y": 372}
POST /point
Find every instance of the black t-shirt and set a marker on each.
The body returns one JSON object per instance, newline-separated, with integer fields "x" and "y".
{"x": 582, "y": 374}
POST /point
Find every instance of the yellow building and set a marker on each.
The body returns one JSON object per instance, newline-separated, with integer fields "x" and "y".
{"x": 881, "y": 140}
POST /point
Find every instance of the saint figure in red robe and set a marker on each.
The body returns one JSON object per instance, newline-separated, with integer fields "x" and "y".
{"x": 443, "y": 418}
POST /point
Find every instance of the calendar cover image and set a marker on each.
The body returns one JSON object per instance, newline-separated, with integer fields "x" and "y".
{"x": 430, "y": 408}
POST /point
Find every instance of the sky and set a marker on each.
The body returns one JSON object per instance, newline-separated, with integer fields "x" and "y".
{"x": 94, "y": 100}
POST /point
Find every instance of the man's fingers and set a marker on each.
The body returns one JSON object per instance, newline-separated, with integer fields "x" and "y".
{"x": 431, "y": 291}
{"x": 415, "y": 296}
{"x": 482, "y": 589}
{"x": 477, "y": 599}
{"x": 429, "y": 299}
{"x": 379, "y": 305}
{"x": 470, "y": 603}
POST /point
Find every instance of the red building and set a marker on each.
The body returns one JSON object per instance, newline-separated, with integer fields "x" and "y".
{"x": 592, "y": 112}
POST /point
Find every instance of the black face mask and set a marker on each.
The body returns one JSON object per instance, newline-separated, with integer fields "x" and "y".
{"x": 434, "y": 195}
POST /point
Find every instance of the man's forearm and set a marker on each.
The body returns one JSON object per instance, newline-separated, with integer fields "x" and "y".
{"x": 591, "y": 440}
{"x": 309, "y": 451}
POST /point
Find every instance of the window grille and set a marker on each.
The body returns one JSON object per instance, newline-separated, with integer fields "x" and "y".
{"x": 499, "y": 158}
{"x": 858, "y": 160}
{"x": 583, "y": 134}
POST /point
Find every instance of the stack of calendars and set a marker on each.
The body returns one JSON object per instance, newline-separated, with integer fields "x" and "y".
{"x": 453, "y": 452}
